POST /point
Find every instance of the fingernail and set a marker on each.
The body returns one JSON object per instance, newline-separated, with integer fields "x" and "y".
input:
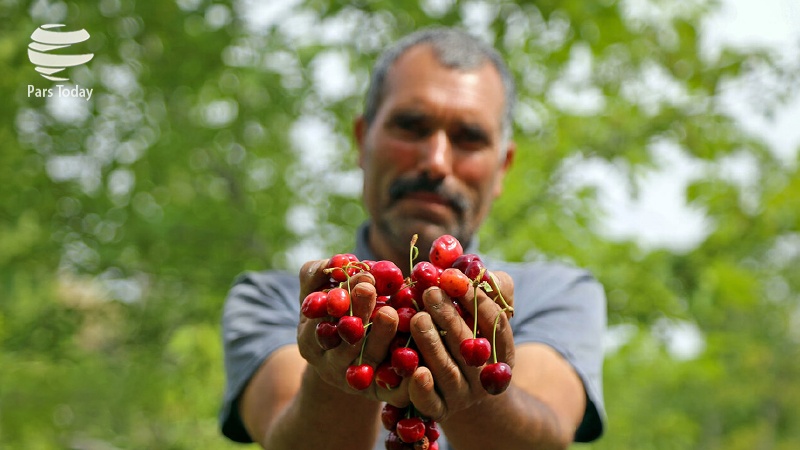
{"x": 433, "y": 298}
{"x": 422, "y": 322}
{"x": 315, "y": 267}
{"x": 385, "y": 316}
{"x": 425, "y": 379}
{"x": 359, "y": 290}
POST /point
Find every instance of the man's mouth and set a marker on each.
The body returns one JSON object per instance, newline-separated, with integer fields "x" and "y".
{"x": 429, "y": 191}
{"x": 428, "y": 197}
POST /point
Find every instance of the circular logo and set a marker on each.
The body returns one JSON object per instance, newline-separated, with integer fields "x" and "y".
{"x": 45, "y": 39}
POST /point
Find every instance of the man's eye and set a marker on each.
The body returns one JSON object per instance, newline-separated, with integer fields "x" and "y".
{"x": 413, "y": 126}
{"x": 470, "y": 138}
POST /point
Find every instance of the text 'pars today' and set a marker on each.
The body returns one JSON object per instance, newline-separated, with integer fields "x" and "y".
{"x": 61, "y": 91}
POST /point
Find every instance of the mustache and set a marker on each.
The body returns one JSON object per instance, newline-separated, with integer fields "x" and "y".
{"x": 423, "y": 183}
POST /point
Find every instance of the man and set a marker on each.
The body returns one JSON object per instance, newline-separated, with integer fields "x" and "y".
{"x": 435, "y": 145}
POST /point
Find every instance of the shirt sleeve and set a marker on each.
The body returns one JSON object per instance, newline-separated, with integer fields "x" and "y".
{"x": 565, "y": 308}
{"x": 261, "y": 314}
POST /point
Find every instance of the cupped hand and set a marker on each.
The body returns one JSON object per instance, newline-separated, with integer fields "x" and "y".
{"x": 446, "y": 383}
{"x": 332, "y": 364}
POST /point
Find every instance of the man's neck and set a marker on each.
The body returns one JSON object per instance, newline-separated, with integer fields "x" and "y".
{"x": 381, "y": 248}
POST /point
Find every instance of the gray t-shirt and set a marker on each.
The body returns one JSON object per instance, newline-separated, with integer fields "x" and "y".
{"x": 554, "y": 304}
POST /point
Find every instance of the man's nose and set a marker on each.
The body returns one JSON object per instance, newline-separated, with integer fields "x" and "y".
{"x": 437, "y": 154}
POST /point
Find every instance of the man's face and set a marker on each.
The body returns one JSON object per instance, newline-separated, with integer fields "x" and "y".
{"x": 432, "y": 156}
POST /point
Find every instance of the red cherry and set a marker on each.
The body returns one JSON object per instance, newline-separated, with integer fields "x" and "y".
{"x": 341, "y": 265}
{"x": 403, "y": 298}
{"x": 425, "y": 274}
{"x": 468, "y": 319}
{"x": 417, "y": 290}
{"x": 496, "y": 377}
{"x": 327, "y": 335}
{"x": 405, "y": 361}
{"x": 463, "y": 261}
{"x": 422, "y": 444}
{"x": 432, "y": 431}
{"x": 473, "y": 268}
{"x": 359, "y": 377}
{"x": 473, "y": 271}
{"x": 393, "y": 442}
{"x": 351, "y": 329}
{"x": 410, "y": 430}
{"x": 434, "y": 445}
{"x": 475, "y": 351}
{"x": 390, "y": 415}
{"x": 386, "y": 377}
{"x": 388, "y": 277}
{"x": 399, "y": 340}
{"x": 404, "y": 319}
{"x": 315, "y": 305}
{"x": 454, "y": 283}
{"x": 444, "y": 251}
{"x": 338, "y": 302}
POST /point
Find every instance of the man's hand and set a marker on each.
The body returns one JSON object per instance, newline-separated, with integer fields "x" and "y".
{"x": 331, "y": 365}
{"x": 447, "y": 384}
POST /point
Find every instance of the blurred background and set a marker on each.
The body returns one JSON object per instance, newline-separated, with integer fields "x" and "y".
{"x": 658, "y": 147}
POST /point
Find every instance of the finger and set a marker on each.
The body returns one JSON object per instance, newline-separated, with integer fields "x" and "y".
{"x": 447, "y": 372}
{"x": 307, "y": 340}
{"x": 493, "y": 325}
{"x": 502, "y": 291}
{"x": 422, "y": 394}
{"x": 312, "y": 276}
{"x": 445, "y": 316}
{"x": 361, "y": 277}
{"x": 381, "y": 333}
{"x": 362, "y": 300}
{"x": 397, "y": 396}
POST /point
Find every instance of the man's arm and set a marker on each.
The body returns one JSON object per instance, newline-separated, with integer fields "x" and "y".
{"x": 287, "y": 406}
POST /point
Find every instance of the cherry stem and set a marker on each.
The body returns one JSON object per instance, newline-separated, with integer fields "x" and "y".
{"x": 506, "y": 306}
{"x": 361, "y": 354}
{"x": 349, "y": 293}
{"x": 413, "y": 253}
{"x": 494, "y": 335}
{"x": 408, "y": 342}
{"x": 475, "y": 311}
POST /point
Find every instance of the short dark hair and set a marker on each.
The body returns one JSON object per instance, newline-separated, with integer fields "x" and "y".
{"x": 454, "y": 48}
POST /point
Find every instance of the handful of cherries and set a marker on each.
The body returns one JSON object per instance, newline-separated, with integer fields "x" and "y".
{"x": 448, "y": 268}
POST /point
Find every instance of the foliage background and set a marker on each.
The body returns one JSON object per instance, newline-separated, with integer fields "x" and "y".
{"x": 217, "y": 140}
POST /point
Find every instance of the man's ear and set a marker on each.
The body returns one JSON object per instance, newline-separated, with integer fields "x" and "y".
{"x": 360, "y": 128}
{"x": 505, "y": 165}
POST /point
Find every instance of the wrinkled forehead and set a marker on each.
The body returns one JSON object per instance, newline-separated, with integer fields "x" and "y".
{"x": 418, "y": 80}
